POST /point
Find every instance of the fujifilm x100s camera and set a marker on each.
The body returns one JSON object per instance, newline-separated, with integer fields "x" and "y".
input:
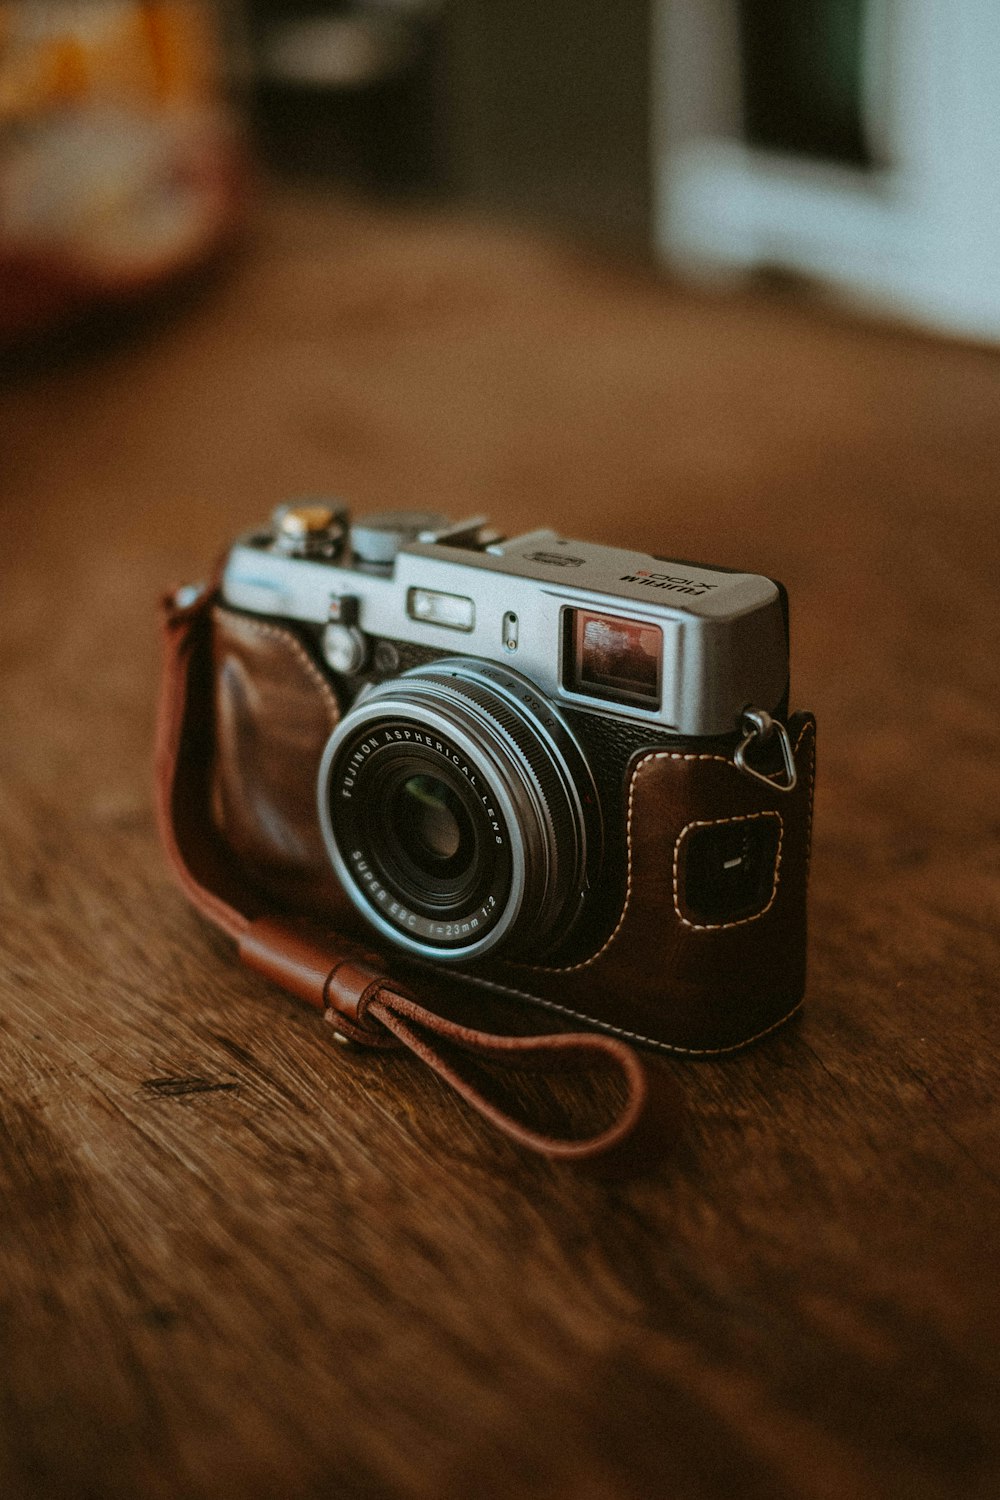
{"x": 559, "y": 770}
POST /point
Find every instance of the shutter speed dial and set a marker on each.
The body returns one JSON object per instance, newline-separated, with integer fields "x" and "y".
{"x": 309, "y": 528}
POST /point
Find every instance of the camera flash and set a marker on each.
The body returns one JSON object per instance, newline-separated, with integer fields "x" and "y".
{"x": 452, "y": 610}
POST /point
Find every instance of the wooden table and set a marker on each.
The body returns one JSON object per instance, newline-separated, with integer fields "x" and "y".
{"x": 235, "y": 1261}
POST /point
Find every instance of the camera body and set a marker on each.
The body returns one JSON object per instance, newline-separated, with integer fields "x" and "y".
{"x": 525, "y": 762}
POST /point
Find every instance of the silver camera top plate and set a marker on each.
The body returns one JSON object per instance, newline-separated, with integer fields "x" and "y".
{"x": 582, "y": 621}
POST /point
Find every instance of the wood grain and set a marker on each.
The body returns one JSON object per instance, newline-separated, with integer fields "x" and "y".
{"x": 235, "y": 1261}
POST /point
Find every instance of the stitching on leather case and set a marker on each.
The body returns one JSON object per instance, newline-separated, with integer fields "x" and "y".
{"x": 646, "y": 760}
{"x": 633, "y": 1036}
{"x": 277, "y": 633}
{"x": 714, "y": 823}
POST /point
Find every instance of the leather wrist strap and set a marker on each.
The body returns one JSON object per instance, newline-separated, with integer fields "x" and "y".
{"x": 363, "y": 1003}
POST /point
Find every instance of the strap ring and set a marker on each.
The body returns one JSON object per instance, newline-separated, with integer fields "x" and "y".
{"x": 758, "y": 725}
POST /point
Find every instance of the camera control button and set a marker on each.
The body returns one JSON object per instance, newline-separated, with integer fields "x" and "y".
{"x": 344, "y": 648}
{"x": 344, "y": 609}
{"x": 386, "y": 659}
{"x": 509, "y": 631}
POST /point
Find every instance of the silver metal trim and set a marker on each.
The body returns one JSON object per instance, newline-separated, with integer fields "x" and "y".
{"x": 724, "y": 640}
{"x": 428, "y": 717}
{"x": 757, "y": 724}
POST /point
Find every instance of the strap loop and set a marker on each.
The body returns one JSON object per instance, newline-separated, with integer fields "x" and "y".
{"x": 418, "y": 1029}
{"x": 366, "y": 1006}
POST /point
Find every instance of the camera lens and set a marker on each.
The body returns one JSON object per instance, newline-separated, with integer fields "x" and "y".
{"x": 459, "y": 812}
{"x": 432, "y": 824}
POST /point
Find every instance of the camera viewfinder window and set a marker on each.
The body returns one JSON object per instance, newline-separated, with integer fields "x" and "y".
{"x": 611, "y": 658}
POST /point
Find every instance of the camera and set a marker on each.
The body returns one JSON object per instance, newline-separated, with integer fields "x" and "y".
{"x": 560, "y": 770}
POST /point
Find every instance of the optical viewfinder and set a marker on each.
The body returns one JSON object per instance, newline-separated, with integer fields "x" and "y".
{"x": 612, "y": 658}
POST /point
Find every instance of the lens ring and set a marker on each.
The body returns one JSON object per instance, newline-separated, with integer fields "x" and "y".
{"x": 376, "y": 752}
{"x": 440, "y": 903}
{"x": 507, "y": 767}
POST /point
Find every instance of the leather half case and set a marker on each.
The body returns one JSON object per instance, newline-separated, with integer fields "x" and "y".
{"x": 708, "y": 949}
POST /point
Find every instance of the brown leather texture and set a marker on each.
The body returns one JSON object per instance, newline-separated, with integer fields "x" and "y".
{"x": 206, "y": 866}
{"x": 657, "y": 976}
{"x": 274, "y": 712}
{"x": 662, "y": 975}
{"x": 302, "y": 960}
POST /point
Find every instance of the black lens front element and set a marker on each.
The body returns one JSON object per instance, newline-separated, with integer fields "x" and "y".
{"x": 432, "y": 824}
{"x": 425, "y": 831}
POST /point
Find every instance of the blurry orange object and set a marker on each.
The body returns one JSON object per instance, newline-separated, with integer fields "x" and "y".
{"x": 119, "y": 162}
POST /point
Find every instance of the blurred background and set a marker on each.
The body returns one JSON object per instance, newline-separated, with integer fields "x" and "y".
{"x": 849, "y": 145}
{"x": 708, "y": 278}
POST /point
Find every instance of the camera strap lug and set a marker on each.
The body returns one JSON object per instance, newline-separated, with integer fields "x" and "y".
{"x": 759, "y": 729}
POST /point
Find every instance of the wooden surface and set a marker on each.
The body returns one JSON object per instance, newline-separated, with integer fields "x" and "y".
{"x": 235, "y": 1261}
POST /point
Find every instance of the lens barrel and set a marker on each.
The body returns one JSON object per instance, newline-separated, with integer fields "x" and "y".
{"x": 460, "y": 814}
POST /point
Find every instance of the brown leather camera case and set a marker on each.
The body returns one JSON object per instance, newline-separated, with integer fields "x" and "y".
{"x": 655, "y": 974}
